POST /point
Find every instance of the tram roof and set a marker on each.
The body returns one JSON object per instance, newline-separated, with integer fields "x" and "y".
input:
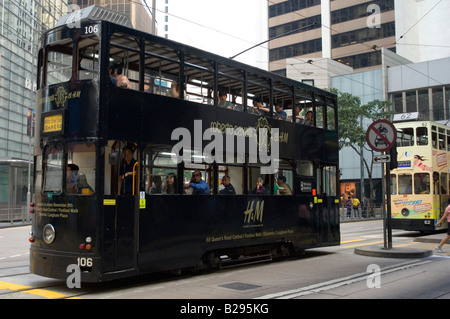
{"x": 93, "y": 13}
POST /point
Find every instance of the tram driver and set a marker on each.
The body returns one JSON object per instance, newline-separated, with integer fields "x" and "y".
{"x": 71, "y": 179}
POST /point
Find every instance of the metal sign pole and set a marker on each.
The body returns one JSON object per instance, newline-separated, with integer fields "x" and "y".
{"x": 388, "y": 212}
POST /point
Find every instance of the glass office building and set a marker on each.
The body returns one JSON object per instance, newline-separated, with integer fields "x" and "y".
{"x": 21, "y": 23}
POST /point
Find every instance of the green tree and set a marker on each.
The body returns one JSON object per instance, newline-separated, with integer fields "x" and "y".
{"x": 352, "y": 134}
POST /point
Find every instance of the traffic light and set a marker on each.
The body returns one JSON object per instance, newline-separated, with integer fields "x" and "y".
{"x": 394, "y": 154}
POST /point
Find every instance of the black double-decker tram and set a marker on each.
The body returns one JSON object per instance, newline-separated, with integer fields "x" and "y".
{"x": 138, "y": 139}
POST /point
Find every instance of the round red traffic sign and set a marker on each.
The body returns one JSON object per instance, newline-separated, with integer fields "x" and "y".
{"x": 381, "y": 136}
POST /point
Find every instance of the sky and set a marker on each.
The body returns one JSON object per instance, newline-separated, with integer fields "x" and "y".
{"x": 225, "y": 28}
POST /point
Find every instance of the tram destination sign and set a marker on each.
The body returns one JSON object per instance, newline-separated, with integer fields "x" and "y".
{"x": 381, "y": 136}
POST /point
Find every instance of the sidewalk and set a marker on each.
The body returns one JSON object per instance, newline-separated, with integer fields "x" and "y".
{"x": 421, "y": 247}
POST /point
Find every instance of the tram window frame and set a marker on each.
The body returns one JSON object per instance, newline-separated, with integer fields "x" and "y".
{"x": 84, "y": 156}
{"x": 93, "y": 57}
{"x": 435, "y": 181}
{"x": 442, "y": 142}
{"x": 305, "y": 168}
{"x": 199, "y": 74}
{"x": 404, "y": 181}
{"x": 127, "y": 63}
{"x": 289, "y": 174}
{"x": 422, "y": 136}
{"x": 323, "y": 172}
{"x": 38, "y": 174}
{"x": 405, "y": 136}
{"x": 444, "y": 183}
{"x": 207, "y": 171}
{"x": 231, "y": 81}
{"x": 393, "y": 184}
{"x": 151, "y": 167}
{"x": 434, "y": 137}
{"x": 161, "y": 66}
{"x": 236, "y": 177}
{"x": 448, "y": 140}
{"x": 53, "y": 173}
{"x": 425, "y": 183}
{"x": 331, "y": 115}
{"x": 65, "y": 58}
{"x": 320, "y": 111}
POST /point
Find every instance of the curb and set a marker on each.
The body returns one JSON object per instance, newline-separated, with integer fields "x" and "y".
{"x": 379, "y": 251}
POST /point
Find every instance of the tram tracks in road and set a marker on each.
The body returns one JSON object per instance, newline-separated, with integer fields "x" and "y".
{"x": 340, "y": 282}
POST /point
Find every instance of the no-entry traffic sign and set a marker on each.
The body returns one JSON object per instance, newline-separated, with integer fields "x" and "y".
{"x": 381, "y": 136}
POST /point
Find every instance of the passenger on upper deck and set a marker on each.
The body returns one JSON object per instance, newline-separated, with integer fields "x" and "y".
{"x": 121, "y": 80}
{"x": 258, "y": 104}
{"x": 223, "y": 100}
{"x": 298, "y": 118}
{"x": 309, "y": 119}
{"x": 280, "y": 112}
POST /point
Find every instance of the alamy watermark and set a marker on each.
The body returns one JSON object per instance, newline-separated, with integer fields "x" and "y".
{"x": 374, "y": 279}
{"x": 374, "y": 19}
{"x": 223, "y": 148}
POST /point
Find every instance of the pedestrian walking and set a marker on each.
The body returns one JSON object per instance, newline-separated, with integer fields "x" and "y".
{"x": 439, "y": 223}
{"x": 348, "y": 204}
{"x": 356, "y": 203}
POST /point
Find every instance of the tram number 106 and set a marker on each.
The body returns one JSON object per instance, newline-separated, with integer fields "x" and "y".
{"x": 84, "y": 262}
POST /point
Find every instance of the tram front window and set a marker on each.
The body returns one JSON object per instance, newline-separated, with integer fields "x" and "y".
{"x": 80, "y": 169}
{"x": 53, "y": 174}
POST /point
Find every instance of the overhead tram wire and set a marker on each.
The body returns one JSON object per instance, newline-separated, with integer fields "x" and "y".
{"x": 274, "y": 38}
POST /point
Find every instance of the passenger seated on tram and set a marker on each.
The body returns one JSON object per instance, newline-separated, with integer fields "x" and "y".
{"x": 229, "y": 189}
{"x": 72, "y": 178}
{"x": 259, "y": 189}
{"x": 309, "y": 119}
{"x": 83, "y": 187}
{"x": 156, "y": 187}
{"x": 284, "y": 188}
{"x": 280, "y": 112}
{"x": 198, "y": 185}
{"x": 223, "y": 100}
{"x": 170, "y": 187}
{"x": 115, "y": 73}
{"x": 258, "y": 104}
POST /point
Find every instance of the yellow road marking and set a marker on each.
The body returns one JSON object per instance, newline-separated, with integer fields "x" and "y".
{"x": 352, "y": 241}
{"x": 29, "y": 290}
{"x": 366, "y": 244}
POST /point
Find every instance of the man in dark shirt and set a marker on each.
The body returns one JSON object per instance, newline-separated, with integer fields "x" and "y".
{"x": 229, "y": 189}
{"x": 126, "y": 172}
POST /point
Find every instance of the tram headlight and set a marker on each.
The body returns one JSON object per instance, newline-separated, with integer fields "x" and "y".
{"x": 49, "y": 234}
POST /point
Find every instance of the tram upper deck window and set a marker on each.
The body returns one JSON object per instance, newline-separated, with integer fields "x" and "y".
{"x": 124, "y": 55}
{"x": 59, "y": 62}
{"x": 422, "y": 136}
{"x": 405, "y": 136}
{"x": 88, "y": 58}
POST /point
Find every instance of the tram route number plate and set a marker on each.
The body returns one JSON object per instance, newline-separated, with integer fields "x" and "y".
{"x": 53, "y": 123}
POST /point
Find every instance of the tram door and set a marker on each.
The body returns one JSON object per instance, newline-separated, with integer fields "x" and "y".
{"x": 120, "y": 206}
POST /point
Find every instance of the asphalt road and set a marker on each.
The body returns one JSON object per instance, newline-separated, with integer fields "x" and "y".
{"x": 325, "y": 273}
